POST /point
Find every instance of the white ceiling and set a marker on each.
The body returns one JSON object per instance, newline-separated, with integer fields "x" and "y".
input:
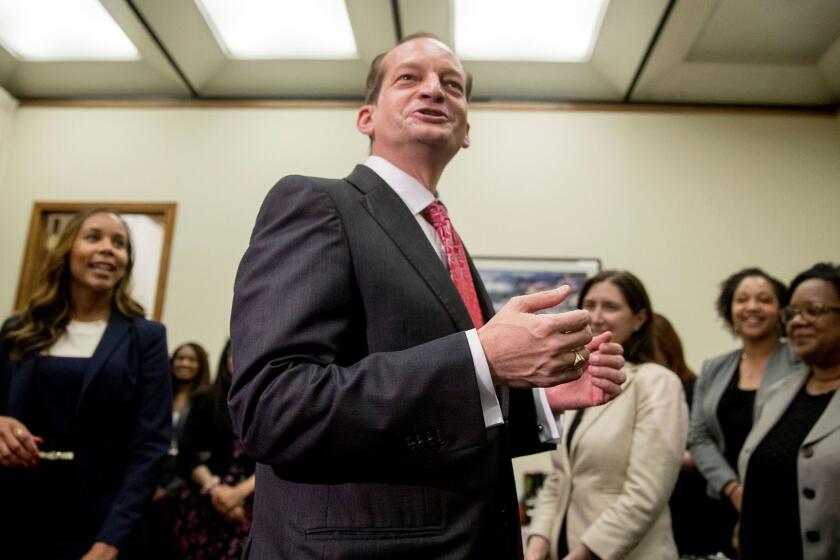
{"x": 731, "y": 52}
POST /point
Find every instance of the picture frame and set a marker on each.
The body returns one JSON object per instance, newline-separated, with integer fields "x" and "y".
{"x": 506, "y": 277}
{"x": 151, "y": 225}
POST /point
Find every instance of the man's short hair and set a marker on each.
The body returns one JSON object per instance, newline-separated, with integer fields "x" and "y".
{"x": 376, "y": 73}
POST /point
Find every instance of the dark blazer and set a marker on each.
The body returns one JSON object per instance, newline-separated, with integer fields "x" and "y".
{"x": 124, "y": 418}
{"x": 355, "y": 388}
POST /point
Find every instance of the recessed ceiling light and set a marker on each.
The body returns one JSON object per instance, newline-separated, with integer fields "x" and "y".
{"x": 533, "y": 30}
{"x": 300, "y": 29}
{"x": 62, "y": 30}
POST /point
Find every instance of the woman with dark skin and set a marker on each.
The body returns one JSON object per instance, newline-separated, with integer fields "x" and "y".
{"x": 790, "y": 462}
{"x": 84, "y": 403}
{"x": 729, "y": 388}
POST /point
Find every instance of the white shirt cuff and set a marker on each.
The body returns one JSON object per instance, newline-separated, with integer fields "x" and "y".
{"x": 489, "y": 402}
{"x": 549, "y": 424}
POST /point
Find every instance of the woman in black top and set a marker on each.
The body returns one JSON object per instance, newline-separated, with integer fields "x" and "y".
{"x": 725, "y": 392}
{"x": 791, "y": 460}
{"x": 217, "y": 507}
{"x": 190, "y": 371}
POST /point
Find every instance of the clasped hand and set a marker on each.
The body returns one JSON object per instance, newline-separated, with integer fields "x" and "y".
{"x": 228, "y": 500}
{"x": 18, "y": 447}
{"x": 524, "y": 349}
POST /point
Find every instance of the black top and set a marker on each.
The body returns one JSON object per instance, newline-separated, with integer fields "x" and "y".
{"x": 208, "y": 439}
{"x": 770, "y": 511}
{"x": 55, "y": 395}
{"x": 735, "y": 412}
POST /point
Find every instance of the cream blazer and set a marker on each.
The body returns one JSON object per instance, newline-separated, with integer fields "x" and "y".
{"x": 615, "y": 485}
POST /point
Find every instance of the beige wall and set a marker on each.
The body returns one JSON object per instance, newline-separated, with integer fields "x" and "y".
{"x": 8, "y": 106}
{"x": 682, "y": 199}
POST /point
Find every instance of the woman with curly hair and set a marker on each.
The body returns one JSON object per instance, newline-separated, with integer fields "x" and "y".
{"x": 729, "y": 388}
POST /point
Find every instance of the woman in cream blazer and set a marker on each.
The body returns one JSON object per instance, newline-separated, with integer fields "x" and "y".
{"x": 612, "y": 482}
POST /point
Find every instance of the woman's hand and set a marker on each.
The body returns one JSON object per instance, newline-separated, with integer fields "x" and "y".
{"x": 537, "y": 548}
{"x": 18, "y": 447}
{"x": 688, "y": 464}
{"x": 101, "y": 551}
{"x": 734, "y": 490}
{"x": 225, "y": 498}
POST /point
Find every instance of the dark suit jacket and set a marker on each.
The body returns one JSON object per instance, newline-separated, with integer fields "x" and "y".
{"x": 124, "y": 418}
{"x": 355, "y": 388}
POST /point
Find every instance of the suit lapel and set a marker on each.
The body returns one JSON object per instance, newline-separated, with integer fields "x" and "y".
{"x": 828, "y": 421}
{"x": 593, "y": 413}
{"x": 115, "y": 332}
{"x": 773, "y": 409}
{"x": 389, "y": 211}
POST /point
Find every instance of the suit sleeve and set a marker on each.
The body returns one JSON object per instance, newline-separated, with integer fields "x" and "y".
{"x": 659, "y": 437}
{"x": 305, "y": 397}
{"x": 705, "y": 451}
{"x": 150, "y": 438}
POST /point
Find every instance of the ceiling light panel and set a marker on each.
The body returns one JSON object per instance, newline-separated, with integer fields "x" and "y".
{"x": 62, "y": 30}
{"x": 281, "y": 29}
{"x": 527, "y": 30}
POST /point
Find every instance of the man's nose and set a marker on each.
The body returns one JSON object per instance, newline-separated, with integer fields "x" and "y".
{"x": 432, "y": 87}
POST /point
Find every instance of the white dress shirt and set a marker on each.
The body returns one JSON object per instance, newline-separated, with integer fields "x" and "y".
{"x": 417, "y": 197}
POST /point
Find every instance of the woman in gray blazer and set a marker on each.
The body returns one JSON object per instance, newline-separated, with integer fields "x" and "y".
{"x": 790, "y": 463}
{"x": 730, "y": 385}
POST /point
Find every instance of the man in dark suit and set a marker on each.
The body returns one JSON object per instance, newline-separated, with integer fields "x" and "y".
{"x": 381, "y": 409}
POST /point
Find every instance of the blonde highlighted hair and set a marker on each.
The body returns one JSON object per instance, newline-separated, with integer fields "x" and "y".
{"x": 45, "y": 315}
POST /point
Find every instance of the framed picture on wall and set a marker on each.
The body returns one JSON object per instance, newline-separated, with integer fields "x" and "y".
{"x": 151, "y": 225}
{"x": 505, "y": 277}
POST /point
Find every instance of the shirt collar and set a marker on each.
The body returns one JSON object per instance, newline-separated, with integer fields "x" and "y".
{"x": 412, "y": 192}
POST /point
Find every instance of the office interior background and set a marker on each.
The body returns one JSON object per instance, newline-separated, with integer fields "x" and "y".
{"x": 680, "y": 139}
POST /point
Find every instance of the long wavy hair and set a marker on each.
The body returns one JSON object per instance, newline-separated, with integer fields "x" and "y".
{"x": 44, "y": 317}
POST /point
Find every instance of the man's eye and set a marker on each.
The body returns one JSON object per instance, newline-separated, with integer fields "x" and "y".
{"x": 455, "y": 85}
{"x": 406, "y": 77}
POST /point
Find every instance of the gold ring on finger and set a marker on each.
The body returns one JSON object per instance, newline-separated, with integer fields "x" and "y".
{"x": 578, "y": 359}
{"x": 18, "y": 432}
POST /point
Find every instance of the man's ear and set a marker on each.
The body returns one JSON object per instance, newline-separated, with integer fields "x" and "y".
{"x": 466, "y": 143}
{"x": 364, "y": 120}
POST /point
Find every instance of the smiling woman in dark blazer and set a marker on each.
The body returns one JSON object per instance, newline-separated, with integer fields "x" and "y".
{"x": 85, "y": 403}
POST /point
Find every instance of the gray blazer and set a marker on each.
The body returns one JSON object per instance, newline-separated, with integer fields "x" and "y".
{"x": 705, "y": 437}
{"x": 816, "y": 466}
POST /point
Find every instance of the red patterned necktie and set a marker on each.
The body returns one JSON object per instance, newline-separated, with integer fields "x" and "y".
{"x": 459, "y": 269}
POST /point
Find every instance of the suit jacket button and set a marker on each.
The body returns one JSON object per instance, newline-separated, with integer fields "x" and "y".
{"x": 812, "y": 536}
{"x": 540, "y": 427}
{"x": 808, "y": 452}
{"x": 809, "y": 493}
